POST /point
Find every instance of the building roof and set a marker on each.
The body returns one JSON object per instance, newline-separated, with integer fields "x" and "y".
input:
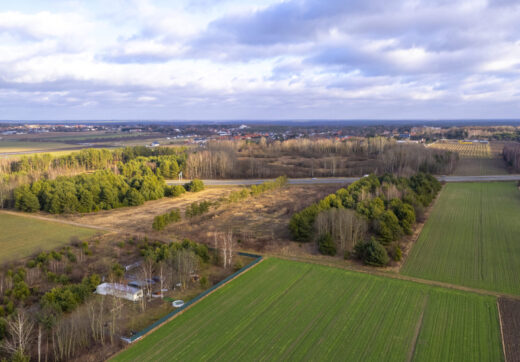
{"x": 118, "y": 287}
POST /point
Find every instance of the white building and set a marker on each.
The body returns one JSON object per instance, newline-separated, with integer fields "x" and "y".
{"x": 120, "y": 291}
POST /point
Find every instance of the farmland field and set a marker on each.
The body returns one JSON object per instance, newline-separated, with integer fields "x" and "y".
{"x": 286, "y": 310}
{"x": 471, "y": 238}
{"x": 22, "y": 236}
{"x": 18, "y": 146}
{"x": 471, "y": 150}
{"x": 480, "y": 167}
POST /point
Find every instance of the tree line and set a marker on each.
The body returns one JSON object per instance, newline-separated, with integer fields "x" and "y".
{"x": 320, "y": 157}
{"x": 368, "y": 217}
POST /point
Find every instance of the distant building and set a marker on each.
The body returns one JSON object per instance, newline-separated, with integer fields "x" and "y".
{"x": 120, "y": 291}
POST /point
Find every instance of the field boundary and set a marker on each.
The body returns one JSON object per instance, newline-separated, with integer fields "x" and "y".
{"x": 501, "y": 330}
{"x": 144, "y": 332}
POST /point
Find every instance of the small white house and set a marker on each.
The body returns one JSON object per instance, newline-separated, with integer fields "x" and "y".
{"x": 120, "y": 291}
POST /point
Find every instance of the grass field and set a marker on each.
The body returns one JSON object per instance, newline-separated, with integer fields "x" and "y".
{"x": 471, "y": 238}
{"x": 18, "y": 146}
{"x": 480, "y": 167}
{"x": 22, "y": 236}
{"x": 286, "y": 310}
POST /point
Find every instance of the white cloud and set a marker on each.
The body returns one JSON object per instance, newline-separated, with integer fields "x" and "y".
{"x": 274, "y": 58}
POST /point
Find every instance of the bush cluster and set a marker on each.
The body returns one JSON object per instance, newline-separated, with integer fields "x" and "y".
{"x": 66, "y": 298}
{"x": 194, "y": 185}
{"x": 161, "y": 221}
{"x": 269, "y": 185}
{"x": 389, "y": 204}
{"x": 197, "y": 208}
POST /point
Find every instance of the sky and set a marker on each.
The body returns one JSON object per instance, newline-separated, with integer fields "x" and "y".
{"x": 259, "y": 59}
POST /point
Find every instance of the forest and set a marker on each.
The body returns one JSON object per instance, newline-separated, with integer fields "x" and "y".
{"x": 368, "y": 218}
{"x": 129, "y": 176}
{"x": 316, "y": 158}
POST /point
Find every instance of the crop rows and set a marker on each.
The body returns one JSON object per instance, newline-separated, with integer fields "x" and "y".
{"x": 284, "y": 310}
{"x": 471, "y": 238}
{"x": 473, "y": 150}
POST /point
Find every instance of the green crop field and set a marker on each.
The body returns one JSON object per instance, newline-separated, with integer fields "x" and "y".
{"x": 471, "y": 238}
{"x": 286, "y": 310}
{"x": 480, "y": 167}
{"x": 22, "y": 236}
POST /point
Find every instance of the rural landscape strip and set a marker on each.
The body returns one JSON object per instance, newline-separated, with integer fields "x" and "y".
{"x": 345, "y": 180}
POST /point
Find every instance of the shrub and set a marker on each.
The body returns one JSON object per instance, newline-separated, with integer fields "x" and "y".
{"x": 196, "y": 209}
{"x": 372, "y": 253}
{"x": 177, "y": 190}
{"x": 204, "y": 282}
{"x": 161, "y": 221}
{"x": 239, "y": 195}
{"x": 398, "y": 254}
{"x": 326, "y": 244}
{"x": 194, "y": 185}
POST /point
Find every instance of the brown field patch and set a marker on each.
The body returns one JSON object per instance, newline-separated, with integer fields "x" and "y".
{"x": 509, "y": 310}
{"x": 260, "y": 223}
{"x": 138, "y": 219}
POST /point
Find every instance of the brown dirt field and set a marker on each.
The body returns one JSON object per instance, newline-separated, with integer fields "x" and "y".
{"x": 509, "y": 310}
{"x": 260, "y": 223}
{"x": 138, "y": 219}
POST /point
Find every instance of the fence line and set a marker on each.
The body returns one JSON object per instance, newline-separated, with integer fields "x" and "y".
{"x": 170, "y": 315}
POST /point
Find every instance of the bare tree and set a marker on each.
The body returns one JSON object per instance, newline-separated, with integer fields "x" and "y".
{"x": 344, "y": 225}
{"x": 226, "y": 242}
{"x": 186, "y": 263}
{"x": 19, "y": 328}
{"x": 97, "y": 318}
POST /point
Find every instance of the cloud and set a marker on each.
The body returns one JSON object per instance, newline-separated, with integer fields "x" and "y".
{"x": 261, "y": 59}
